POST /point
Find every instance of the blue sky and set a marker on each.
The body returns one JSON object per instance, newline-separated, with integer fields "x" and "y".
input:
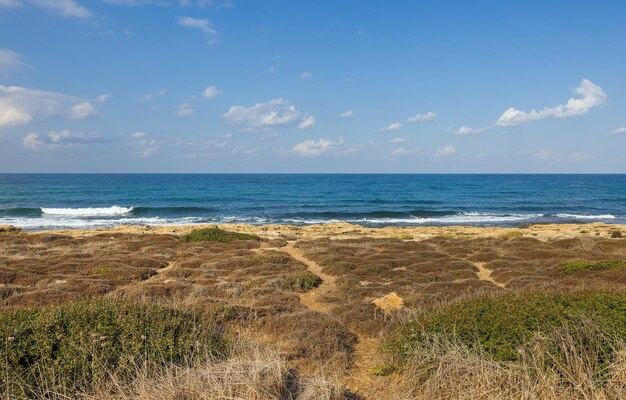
{"x": 312, "y": 86}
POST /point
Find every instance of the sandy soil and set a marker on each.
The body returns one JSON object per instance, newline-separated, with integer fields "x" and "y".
{"x": 346, "y": 230}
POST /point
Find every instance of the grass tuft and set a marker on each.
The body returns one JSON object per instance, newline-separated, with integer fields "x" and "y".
{"x": 216, "y": 235}
{"x": 616, "y": 234}
{"x": 575, "y": 266}
{"x": 303, "y": 282}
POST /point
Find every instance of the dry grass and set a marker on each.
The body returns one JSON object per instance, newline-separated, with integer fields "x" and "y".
{"x": 250, "y": 286}
{"x": 563, "y": 365}
{"x": 256, "y": 373}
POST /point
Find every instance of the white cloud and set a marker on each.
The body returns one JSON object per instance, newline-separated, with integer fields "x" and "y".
{"x": 19, "y": 106}
{"x": 185, "y": 110}
{"x": 590, "y": 95}
{"x": 137, "y": 3}
{"x": 544, "y": 154}
{"x": 149, "y": 148}
{"x": 103, "y": 97}
{"x": 309, "y": 122}
{"x": 429, "y": 116}
{"x": 306, "y": 75}
{"x": 146, "y": 147}
{"x": 152, "y": 96}
{"x": 392, "y": 127}
{"x": 9, "y": 3}
{"x": 397, "y": 140}
{"x": 13, "y": 117}
{"x": 464, "y": 130}
{"x": 10, "y": 61}
{"x": 310, "y": 148}
{"x": 619, "y": 131}
{"x": 165, "y": 3}
{"x": 82, "y": 111}
{"x": 66, "y": 8}
{"x": 446, "y": 150}
{"x": 346, "y": 114}
{"x": 403, "y": 152}
{"x": 274, "y": 113}
{"x": 204, "y": 25}
{"x": 58, "y": 140}
{"x": 211, "y": 92}
{"x": 580, "y": 156}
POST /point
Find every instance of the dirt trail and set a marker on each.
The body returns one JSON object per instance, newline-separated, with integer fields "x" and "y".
{"x": 154, "y": 277}
{"x": 312, "y": 298}
{"x": 365, "y": 355}
{"x": 484, "y": 274}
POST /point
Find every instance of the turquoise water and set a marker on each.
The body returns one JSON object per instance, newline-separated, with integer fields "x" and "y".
{"x": 55, "y": 201}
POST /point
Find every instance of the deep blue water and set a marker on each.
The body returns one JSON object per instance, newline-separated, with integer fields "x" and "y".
{"x": 50, "y": 201}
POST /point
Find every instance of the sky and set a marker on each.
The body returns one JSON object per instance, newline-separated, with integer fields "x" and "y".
{"x": 324, "y": 86}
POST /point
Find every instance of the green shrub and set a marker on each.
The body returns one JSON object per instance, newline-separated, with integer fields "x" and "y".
{"x": 512, "y": 235}
{"x": 502, "y": 325}
{"x": 575, "y": 266}
{"x": 305, "y": 281}
{"x": 405, "y": 237}
{"x": 375, "y": 269}
{"x": 216, "y": 235}
{"x": 616, "y": 234}
{"x": 76, "y": 346}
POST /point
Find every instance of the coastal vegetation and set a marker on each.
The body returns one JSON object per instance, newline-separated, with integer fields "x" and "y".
{"x": 575, "y": 266}
{"x": 258, "y": 315}
{"x": 216, "y": 235}
{"x": 500, "y": 326}
{"x": 78, "y": 346}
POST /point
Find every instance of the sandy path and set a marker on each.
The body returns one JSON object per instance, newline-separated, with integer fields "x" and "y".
{"x": 365, "y": 355}
{"x": 484, "y": 274}
{"x": 313, "y": 298}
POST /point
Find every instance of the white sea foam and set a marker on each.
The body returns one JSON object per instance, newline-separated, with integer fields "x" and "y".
{"x": 463, "y": 218}
{"x": 88, "y": 212}
{"x": 60, "y": 222}
{"x": 577, "y": 216}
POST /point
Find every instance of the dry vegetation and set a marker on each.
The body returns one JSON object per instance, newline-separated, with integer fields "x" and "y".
{"x": 304, "y": 334}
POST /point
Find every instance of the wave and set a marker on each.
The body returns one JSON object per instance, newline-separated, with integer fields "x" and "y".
{"x": 88, "y": 212}
{"x": 171, "y": 211}
{"x": 346, "y": 215}
{"x": 78, "y": 223}
{"x": 450, "y": 219}
{"x": 586, "y": 217}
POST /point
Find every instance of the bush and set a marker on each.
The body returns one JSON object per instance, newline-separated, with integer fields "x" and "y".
{"x": 501, "y": 325}
{"x": 77, "y": 346}
{"x": 616, "y": 234}
{"x": 216, "y": 235}
{"x": 575, "y": 266}
{"x": 375, "y": 269}
{"x": 512, "y": 235}
{"x": 305, "y": 281}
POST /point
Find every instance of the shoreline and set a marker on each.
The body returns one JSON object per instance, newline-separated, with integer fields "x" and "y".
{"x": 347, "y": 230}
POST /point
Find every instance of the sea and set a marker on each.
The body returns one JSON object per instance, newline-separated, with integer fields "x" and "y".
{"x": 62, "y": 201}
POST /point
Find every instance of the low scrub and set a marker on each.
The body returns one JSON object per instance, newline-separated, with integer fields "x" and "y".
{"x": 303, "y": 282}
{"x": 501, "y": 325}
{"x": 75, "y": 347}
{"x": 216, "y": 235}
{"x": 575, "y": 266}
{"x": 512, "y": 235}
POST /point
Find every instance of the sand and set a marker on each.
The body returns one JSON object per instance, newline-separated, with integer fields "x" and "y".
{"x": 346, "y": 230}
